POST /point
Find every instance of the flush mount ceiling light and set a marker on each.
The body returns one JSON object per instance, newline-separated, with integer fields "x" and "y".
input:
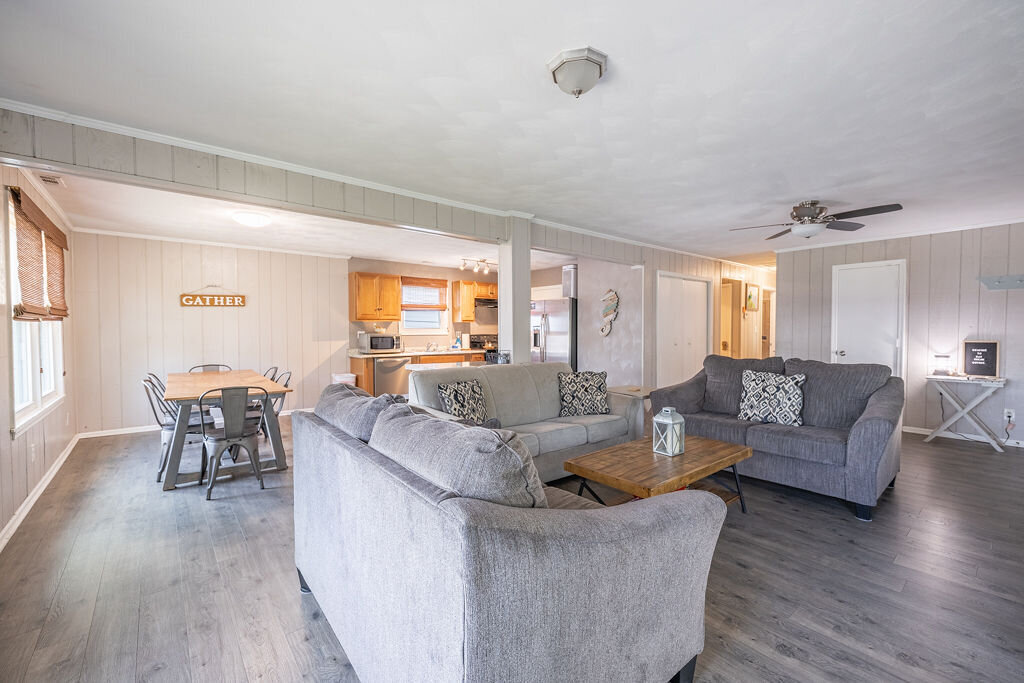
{"x": 577, "y": 71}
{"x": 251, "y": 218}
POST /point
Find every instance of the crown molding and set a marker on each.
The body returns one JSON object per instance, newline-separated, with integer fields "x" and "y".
{"x": 204, "y": 243}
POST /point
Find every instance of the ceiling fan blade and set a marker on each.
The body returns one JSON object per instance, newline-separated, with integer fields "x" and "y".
{"x": 844, "y": 225}
{"x": 754, "y": 227}
{"x": 870, "y": 211}
{"x": 780, "y": 234}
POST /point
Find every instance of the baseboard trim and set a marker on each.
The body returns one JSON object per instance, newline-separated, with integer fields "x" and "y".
{"x": 119, "y": 431}
{"x": 26, "y": 505}
{"x": 1014, "y": 443}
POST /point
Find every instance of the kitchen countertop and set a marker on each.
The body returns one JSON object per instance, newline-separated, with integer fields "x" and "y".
{"x": 405, "y": 354}
{"x": 414, "y": 367}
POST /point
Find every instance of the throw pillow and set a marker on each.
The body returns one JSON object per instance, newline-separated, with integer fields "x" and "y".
{"x": 464, "y": 400}
{"x": 583, "y": 393}
{"x": 768, "y": 397}
{"x": 487, "y": 464}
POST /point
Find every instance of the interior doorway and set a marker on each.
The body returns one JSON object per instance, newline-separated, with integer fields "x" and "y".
{"x": 684, "y": 325}
{"x": 767, "y": 323}
{"x": 731, "y": 319}
{"x": 869, "y": 313}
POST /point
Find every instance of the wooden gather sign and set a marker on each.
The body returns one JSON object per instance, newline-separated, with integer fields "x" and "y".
{"x": 211, "y": 300}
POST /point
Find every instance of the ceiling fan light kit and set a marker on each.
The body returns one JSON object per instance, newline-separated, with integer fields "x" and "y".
{"x": 577, "y": 71}
{"x": 810, "y": 218}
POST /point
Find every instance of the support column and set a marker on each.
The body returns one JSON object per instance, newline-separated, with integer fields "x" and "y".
{"x": 514, "y": 290}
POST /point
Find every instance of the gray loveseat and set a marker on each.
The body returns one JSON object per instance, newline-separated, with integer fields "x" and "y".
{"x": 525, "y": 399}
{"x": 423, "y": 583}
{"x": 848, "y": 446}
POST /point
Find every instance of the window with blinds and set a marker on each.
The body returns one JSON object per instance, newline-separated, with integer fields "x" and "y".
{"x": 424, "y": 303}
{"x": 37, "y": 262}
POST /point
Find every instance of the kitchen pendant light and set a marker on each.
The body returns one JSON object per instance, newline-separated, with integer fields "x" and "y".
{"x": 577, "y": 71}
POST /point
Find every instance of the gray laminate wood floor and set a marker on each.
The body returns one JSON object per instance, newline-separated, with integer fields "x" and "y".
{"x": 112, "y": 579}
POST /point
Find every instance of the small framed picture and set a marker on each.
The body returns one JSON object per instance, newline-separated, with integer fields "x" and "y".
{"x": 753, "y": 297}
{"x": 981, "y": 358}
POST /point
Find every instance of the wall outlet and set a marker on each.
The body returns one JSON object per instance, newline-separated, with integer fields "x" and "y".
{"x": 1009, "y": 415}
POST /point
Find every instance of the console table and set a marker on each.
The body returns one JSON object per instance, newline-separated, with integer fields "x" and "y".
{"x": 965, "y": 409}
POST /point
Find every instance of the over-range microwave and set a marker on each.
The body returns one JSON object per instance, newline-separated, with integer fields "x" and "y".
{"x": 379, "y": 343}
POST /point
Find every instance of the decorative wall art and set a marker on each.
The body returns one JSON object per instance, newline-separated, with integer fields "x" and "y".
{"x": 609, "y": 312}
{"x": 753, "y": 301}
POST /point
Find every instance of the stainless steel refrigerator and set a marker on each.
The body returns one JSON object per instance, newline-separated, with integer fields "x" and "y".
{"x": 553, "y": 328}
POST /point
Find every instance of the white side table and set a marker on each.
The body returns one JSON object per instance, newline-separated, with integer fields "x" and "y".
{"x": 965, "y": 409}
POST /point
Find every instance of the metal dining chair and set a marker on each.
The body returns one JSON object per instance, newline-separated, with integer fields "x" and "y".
{"x": 157, "y": 381}
{"x": 271, "y": 373}
{"x": 166, "y": 415}
{"x": 239, "y": 431}
{"x": 210, "y": 367}
{"x": 276, "y": 403}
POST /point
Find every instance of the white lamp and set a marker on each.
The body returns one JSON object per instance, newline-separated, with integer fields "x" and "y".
{"x": 577, "y": 71}
{"x": 669, "y": 432}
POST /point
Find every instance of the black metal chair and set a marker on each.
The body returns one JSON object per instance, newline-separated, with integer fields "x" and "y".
{"x": 166, "y": 415}
{"x": 210, "y": 367}
{"x": 271, "y": 373}
{"x": 241, "y": 430}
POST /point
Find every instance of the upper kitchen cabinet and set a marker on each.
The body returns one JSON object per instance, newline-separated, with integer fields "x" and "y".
{"x": 374, "y": 296}
{"x": 463, "y": 301}
{"x": 486, "y": 290}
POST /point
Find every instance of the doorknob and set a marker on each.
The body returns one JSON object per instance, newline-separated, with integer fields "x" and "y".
{"x": 840, "y": 353}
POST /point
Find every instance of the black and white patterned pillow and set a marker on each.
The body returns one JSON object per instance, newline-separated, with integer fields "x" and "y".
{"x": 769, "y": 397}
{"x": 583, "y": 393}
{"x": 464, "y": 400}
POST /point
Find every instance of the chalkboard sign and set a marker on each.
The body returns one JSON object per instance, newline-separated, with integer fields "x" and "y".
{"x": 981, "y": 358}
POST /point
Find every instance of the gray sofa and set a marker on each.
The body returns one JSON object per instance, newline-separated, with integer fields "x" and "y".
{"x": 525, "y": 399}
{"x": 848, "y": 446}
{"x": 423, "y": 583}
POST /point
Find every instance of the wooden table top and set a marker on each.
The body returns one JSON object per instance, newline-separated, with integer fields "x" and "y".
{"x": 635, "y": 468}
{"x": 189, "y": 386}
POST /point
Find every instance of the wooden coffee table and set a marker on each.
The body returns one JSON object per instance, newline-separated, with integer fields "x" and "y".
{"x": 635, "y": 468}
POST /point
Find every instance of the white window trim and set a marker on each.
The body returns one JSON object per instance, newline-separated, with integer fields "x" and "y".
{"x": 425, "y": 332}
{"x": 41, "y": 405}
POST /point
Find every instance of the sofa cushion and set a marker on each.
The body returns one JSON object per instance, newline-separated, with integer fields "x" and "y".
{"x": 560, "y": 499}
{"x": 554, "y": 436}
{"x": 472, "y": 462}
{"x": 531, "y": 442}
{"x": 717, "y": 426}
{"x": 464, "y": 399}
{"x": 351, "y": 409}
{"x": 768, "y": 397}
{"x": 516, "y": 400}
{"x": 817, "y": 444}
{"x": 545, "y": 379}
{"x": 725, "y": 380}
{"x": 423, "y": 386}
{"x": 599, "y": 427}
{"x": 583, "y": 393}
{"x": 835, "y": 395}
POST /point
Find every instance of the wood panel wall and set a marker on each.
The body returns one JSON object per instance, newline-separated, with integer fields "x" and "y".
{"x": 130, "y": 321}
{"x": 946, "y": 305}
{"x": 26, "y": 460}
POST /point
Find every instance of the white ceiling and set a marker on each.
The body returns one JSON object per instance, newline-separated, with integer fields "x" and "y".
{"x": 103, "y": 206}
{"x": 712, "y": 114}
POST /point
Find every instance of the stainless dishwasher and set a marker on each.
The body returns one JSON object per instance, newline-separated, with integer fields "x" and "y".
{"x": 390, "y": 376}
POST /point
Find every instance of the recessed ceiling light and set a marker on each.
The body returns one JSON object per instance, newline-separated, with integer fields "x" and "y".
{"x": 251, "y": 218}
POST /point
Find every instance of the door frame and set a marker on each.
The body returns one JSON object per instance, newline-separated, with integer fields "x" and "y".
{"x": 901, "y": 341}
{"x": 709, "y": 305}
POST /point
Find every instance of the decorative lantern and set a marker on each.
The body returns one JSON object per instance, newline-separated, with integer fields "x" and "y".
{"x": 669, "y": 432}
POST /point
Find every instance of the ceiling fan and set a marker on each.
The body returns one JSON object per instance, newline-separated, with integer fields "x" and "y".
{"x": 810, "y": 218}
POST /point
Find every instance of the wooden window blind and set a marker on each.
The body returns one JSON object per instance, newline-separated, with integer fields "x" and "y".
{"x": 38, "y": 248}
{"x": 424, "y": 294}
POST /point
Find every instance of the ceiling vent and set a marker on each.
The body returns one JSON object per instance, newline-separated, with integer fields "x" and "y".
{"x": 52, "y": 179}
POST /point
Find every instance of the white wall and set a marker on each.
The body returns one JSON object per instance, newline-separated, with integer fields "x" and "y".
{"x": 130, "y": 321}
{"x": 946, "y": 305}
{"x": 25, "y": 461}
{"x": 621, "y": 352}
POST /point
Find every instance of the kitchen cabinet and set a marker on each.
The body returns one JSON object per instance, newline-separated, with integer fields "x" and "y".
{"x": 362, "y": 368}
{"x": 374, "y": 296}
{"x": 464, "y": 296}
{"x": 477, "y": 357}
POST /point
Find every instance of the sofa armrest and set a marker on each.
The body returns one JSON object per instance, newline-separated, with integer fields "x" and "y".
{"x": 575, "y": 589}
{"x": 686, "y": 398}
{"x": 432, "y": 411}
{"x": 872, "y": 451}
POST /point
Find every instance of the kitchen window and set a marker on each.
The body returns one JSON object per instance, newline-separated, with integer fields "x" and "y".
{"x": 424, "y": 306}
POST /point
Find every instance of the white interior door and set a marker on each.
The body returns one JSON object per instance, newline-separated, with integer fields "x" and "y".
{"x": 869, "y": 302}
{"x": 683, "y": 308}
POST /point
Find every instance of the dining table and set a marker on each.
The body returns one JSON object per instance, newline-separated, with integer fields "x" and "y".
{"x": 185, "y": 389}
